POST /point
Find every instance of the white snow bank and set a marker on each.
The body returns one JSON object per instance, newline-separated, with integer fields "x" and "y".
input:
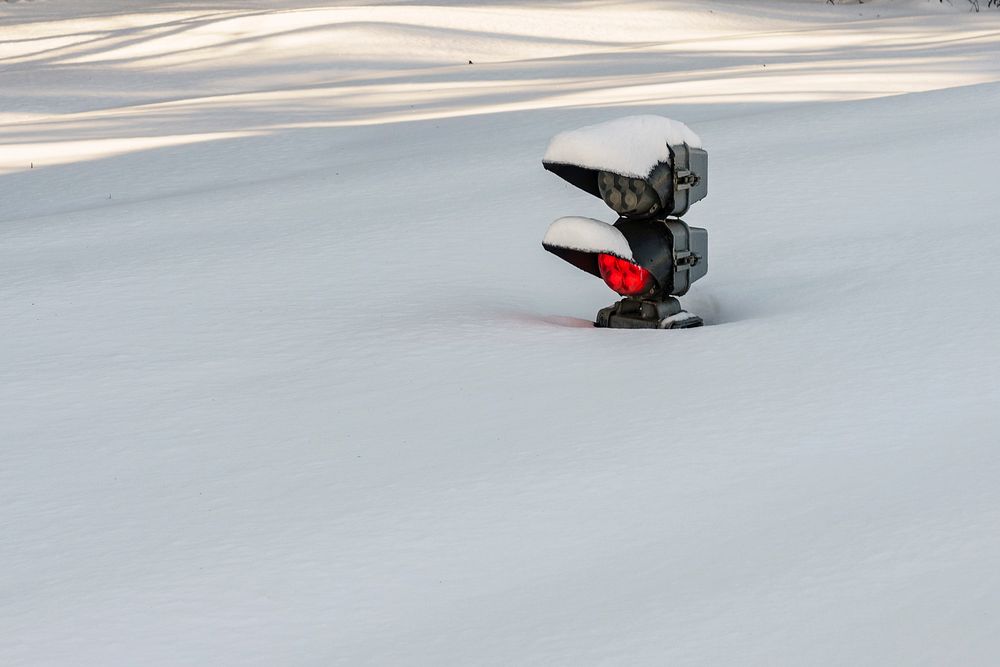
{"x": 630, "y": 146}
{"x": 210, "y": 455}
{"x": 587, "y": 235}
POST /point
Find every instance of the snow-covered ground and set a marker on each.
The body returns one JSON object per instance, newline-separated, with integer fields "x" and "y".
{"x": 287, "y": 379}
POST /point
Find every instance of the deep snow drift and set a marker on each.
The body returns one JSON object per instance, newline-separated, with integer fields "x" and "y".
{"x": 287, "y": 379}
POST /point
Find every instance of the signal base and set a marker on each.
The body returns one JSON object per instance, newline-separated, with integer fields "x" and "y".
{"x": 644, "y": 314}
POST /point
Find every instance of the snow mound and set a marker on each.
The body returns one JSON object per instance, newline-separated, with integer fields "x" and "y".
{"x": 630, "y": 146}
{"x": 587, "y": 235}
{"x": 238, "y": 427}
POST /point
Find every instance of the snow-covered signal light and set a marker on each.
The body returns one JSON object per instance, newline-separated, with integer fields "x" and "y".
{"x": 641, "y": 166}
{"x": 649, "y": 170}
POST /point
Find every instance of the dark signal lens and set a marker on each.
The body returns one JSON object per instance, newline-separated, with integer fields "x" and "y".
{"x": 624, "y": 277}
{"x": 627, "y": 196}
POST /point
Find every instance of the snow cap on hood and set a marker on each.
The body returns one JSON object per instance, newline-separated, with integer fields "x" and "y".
{"x": 630, "y": 146}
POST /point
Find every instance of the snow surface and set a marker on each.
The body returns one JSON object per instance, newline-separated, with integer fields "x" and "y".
{"x": 587, "y": 235}
{"x": 286, "y": 379}
{"x": 630, "y": 146}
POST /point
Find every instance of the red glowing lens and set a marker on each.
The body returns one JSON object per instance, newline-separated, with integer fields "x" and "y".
{"x": 624, "y": 277}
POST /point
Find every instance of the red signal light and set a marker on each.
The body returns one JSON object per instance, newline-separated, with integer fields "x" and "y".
{"x": 624, "y": 277}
